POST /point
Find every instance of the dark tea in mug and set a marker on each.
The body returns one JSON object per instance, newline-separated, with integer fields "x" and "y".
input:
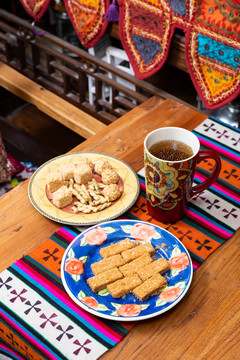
{"x": 171, "y": 150}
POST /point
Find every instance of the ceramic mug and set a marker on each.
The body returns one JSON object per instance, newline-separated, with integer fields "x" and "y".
{"x": 169, "y": 184}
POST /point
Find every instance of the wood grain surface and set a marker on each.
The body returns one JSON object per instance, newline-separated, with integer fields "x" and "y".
{"x": 205, "y": 324}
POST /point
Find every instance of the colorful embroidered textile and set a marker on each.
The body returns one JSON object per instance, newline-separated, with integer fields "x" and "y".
{"x": 39, "y": 321}
{"x": 35, "y": 8}
{"x": 26, "y": 172}
{"x": 88, "y": 19}
{"x": 212, "y": 48}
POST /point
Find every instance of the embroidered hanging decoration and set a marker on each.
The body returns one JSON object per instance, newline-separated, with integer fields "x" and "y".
{"x": 212, "y": 47}
{"x": 88, "y": 19}
{"x": 35, "y": 8}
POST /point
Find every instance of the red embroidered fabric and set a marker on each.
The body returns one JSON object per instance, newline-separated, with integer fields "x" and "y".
{"x": 35, "y": 8}
{"x": 88, "y": 19}
{"x": 212, "y": 47}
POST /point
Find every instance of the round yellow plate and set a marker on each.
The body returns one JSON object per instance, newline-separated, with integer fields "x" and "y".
{"x": 38, "y": 197}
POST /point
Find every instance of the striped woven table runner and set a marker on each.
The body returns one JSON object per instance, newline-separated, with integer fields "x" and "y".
{"x": 39, "y": 321}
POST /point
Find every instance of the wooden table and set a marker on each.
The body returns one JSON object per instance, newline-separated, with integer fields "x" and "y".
{"x": 205, "y": 325}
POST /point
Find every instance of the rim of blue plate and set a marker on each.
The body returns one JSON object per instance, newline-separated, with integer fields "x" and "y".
{"x": 72, "y": 287}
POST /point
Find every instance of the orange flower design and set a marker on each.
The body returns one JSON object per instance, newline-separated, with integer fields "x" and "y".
{"x": 90, "y": 301}
{"x": 96, "y": 236}
{"x": 142, "y": 232}
{"x": 179, "y": 262}
{"x": 74, "y": 266}
{"x": 170, "y": 295}
{"x": 129, "y": 310}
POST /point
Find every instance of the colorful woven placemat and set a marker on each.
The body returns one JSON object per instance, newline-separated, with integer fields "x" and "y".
{"x": 38, "y": 318}
{"x": 212, "y": 48}
{"x": 39, "y": 321}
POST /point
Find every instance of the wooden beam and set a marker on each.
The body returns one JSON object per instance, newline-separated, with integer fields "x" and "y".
{"x": 49, "y": 103}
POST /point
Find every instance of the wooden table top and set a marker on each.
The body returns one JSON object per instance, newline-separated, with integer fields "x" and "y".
{"x": 205, "y": 324}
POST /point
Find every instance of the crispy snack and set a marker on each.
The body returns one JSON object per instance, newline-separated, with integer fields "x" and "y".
{"x": 159, "y": 266}
{"x": 106, "y": 264}
{"x": 86, "y": 161}
{"x": 92, "y": 196}
{"x": 89, "y": 199}
{"x": 54, "y": 181}
{"x": 135, "y": 265}
{"x": 67, "y": 171}
{"x": 82, "y": 174}
{"x": 95, "y": 186}
{"x": 139, "y": 273}
{"x": 100, "y": 281}
{"x": 112, "y": 192}
{"x": 149, "y": 287}
{"x": 124, "y": 286}
{"x": 117, "y": 248}
{"x": 102, "y": 165}
{"x": 62, "y": 197}
{"x": 132, "y": 254}
{"x": 110, "y": 176}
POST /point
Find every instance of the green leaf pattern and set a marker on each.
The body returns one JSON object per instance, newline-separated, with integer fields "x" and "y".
{"x": 83, "y": 259}
{"x": 103, "y": 292}
{"x": 109, "y": 229}
{"x": 176, "y": 251}
{"x": 157, "y": 235}
{"x": 71, "y": 254}
{"x": 81, "y": 294}
{"x": 83, "y": 241}
{"x": 127, "y": 228}
{"x": 75, "y": 277}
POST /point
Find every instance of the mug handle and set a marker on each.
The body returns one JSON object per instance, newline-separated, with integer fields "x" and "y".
{"x": 207, "y": 154}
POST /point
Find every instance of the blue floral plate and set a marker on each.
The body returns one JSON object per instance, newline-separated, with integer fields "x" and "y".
{"x": 85, "y": 250}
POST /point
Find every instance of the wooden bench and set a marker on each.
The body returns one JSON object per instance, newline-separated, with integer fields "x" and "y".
{"x": 49, "y": 103}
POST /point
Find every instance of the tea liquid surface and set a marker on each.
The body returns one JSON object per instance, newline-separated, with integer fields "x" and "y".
{"x": 171, "y": 150}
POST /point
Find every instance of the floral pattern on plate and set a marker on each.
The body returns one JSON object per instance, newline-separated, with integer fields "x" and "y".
{"x": 85, "y": 250}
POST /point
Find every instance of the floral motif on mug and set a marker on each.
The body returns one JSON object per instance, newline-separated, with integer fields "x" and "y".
{"x": 96, "y": 236}
{"x": 166, "y": 183}
{"x": 161, "y": 178}
{"x": 142, "y": 232}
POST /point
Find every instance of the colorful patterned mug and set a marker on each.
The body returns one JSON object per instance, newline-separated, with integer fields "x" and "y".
{"x": 169, "y": 183}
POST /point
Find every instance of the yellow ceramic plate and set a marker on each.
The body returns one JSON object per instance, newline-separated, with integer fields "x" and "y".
{"x": 38, "y": 196}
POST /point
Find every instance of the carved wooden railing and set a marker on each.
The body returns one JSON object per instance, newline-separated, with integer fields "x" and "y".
{"x": 49, "y": 61}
